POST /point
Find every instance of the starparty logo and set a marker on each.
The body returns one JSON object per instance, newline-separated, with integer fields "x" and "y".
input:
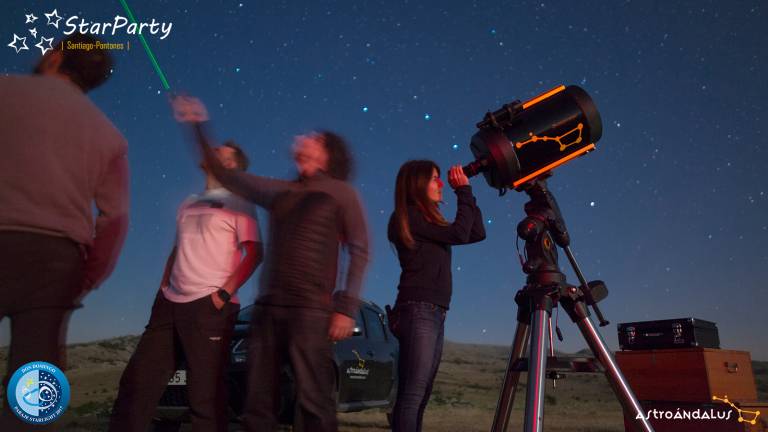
{"x": 75, "y": 23}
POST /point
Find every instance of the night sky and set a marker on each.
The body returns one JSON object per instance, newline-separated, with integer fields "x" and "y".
{"x": 671, "y": 210}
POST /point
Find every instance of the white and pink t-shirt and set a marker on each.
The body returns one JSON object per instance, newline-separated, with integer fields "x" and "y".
{"x": 210, "y": 229}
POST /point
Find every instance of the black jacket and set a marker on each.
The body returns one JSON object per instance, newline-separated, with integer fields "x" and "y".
{"x": 426, "y": 268}
{"x": 309, "y": 219}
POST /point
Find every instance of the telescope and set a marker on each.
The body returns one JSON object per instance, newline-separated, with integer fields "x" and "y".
{"x": 524, "y": 140}
{"x": 517, "y": 147}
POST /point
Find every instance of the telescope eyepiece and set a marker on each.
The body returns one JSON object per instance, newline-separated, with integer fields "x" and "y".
{"x": 476, "y": 167}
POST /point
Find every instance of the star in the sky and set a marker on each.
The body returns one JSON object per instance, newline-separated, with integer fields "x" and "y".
{"x": 17, "y": 39}
{"x": 43, "y": 48}
{"x": 30, "y": 18}
{"x": 50, "y": 17}
{"x": 33, "y": 32}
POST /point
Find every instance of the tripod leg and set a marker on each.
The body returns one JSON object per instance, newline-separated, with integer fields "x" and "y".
{"x": 511, "y": 378}
{"x": 537, "y": 365}
{"x": 620, "y": 386}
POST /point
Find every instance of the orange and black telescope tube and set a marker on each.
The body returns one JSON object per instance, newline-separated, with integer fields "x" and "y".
{"x": 524, "y": 140}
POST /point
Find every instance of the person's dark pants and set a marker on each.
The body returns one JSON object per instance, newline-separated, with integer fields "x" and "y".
{"x": 40, "y": 277}
{"x": 201, "y": 334}
{"x": 299, "y": 337}
{"x": 420, "y": 329}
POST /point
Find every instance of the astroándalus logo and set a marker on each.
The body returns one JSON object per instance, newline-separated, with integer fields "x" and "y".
{"x": 711, "y": 414}
{"x": 19, "y": 43}
{"x": 38, "y": 393}
{"x": 754, "y": 414}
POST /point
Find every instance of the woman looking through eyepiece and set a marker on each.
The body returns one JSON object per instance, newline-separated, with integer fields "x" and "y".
{"x": 423, "y": 239}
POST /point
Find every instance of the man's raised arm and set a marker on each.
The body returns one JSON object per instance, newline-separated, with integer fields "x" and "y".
{"x": 257, "y": 189}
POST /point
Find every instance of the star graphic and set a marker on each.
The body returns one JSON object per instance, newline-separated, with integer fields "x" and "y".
{"x": 23, "y": 43}
{"x": 30, "y": 18}
{"x": 53, "y": 14}
{"x": 33, "y": 32}
{"x": 40, "y": 44}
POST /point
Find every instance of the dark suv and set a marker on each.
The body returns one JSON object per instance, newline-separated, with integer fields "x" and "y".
{"x": 366, "y": 372}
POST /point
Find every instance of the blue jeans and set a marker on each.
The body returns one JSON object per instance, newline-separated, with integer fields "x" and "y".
{"x": 419, "y": 327}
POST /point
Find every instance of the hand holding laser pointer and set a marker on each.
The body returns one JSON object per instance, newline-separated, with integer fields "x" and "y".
{"x": 188, "y": 109}
{"x": 192, "y": 111}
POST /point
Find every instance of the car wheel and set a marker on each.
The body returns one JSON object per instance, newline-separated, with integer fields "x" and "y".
{"x": 165, "y": 426}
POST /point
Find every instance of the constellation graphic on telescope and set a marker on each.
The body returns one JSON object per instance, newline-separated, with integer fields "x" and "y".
{"x": 559, "y": 139}
{"x": 739, "y": 410}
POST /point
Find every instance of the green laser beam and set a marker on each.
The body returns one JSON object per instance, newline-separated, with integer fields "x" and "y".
{"x": 146, "y": 47}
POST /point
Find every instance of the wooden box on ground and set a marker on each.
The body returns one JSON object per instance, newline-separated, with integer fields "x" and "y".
{"x": 689, "y": 375}
{"x": 659, "y": 413}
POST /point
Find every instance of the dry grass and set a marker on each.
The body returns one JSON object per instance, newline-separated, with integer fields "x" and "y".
{"x": 464, "y": 397}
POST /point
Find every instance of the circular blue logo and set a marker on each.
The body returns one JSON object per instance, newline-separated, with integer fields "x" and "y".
{"x": 38, "y": 393}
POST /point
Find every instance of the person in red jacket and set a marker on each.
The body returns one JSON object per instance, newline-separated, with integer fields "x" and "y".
{"x": 61, "y": 157}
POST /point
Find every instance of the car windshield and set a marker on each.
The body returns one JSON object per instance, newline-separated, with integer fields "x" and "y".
{"x": 244, "y": 316}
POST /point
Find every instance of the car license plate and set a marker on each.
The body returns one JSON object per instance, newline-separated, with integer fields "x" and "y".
{"x": 178, "y": 378}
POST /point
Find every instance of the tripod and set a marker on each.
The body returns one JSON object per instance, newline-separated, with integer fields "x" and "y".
{"x": 542, "y": 229}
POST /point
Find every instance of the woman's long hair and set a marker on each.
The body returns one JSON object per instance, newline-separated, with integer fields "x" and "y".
{"x": 411, "y": 189}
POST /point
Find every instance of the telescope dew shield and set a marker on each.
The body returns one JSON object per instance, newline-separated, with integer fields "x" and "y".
{"x": 529, "y": 139}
